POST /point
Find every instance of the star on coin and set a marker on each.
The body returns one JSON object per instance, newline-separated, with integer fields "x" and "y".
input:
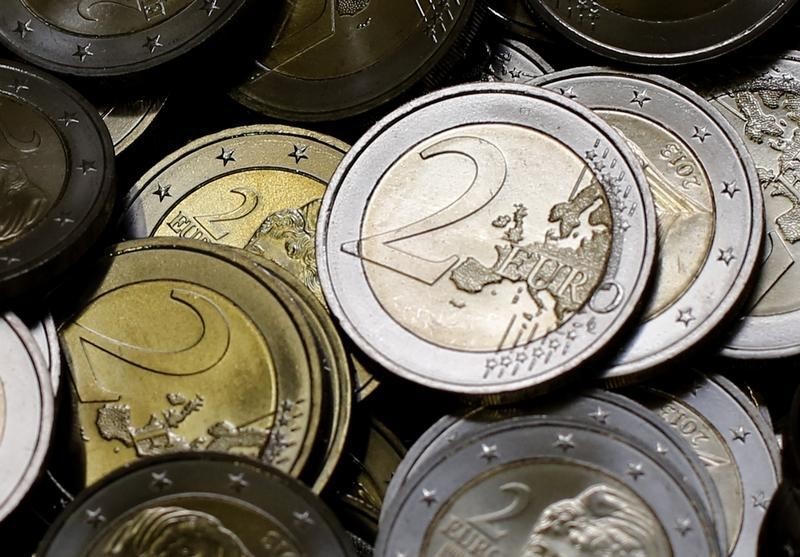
{"x": 23, "y": 28}
{"x": 83, "y": 51}
{"x": 568, "y": 92}
{"x": 661, "y": 449}
{"x": 701, "y": 134}
{"x": 730, "y": 189}
{"x": 302, "y": 519}
{"x": 489, "y": 452}
{"x": 94, "y": 517}
{"x": 160, "y": 481}
{"x": 599, "y": 415}
{"x": 237, "y": 482}
{"x": 726, "y": 256}
{"x": 685, "y": 316}
{"x": 635, "y": 470}
{"x": 153, "y": 43}
{"x": 564, "y": 442}
{"x": 9, "y": 260}
{"x": 17, "y": 87}
{"x": 740, "y": 434}
{"x": 210, "y": 6}
{"x": 226, "y": 156}
{"x": 640, "y": 98}
{"x": 683, "y": 526}
{"x": 68, "y": 119}
{"x": 63, "y": 220}
{"x": 760, "y": 501}
{"x": 87, "y": 166}
{"x": 162, "y": 192}
{"x": 299, "y": 153}
{"x": 428, "y": 496}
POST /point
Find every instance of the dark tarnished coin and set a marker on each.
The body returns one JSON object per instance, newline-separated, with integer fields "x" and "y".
{"x": 56, "y": 171}
{"x": 196, "y": 505}
{"x": 329, "y": 59}
{"x": 128, "y": 120}
{"x": 486, "y": 239}
{"x": 618, "y": 415}
{"x": 26, "y": 412}
{"x": 544, "y": 487}
{"x": 760, "y": 103}
{"x": 180, "y": 346}
{"x": 702, "y": 181}
{"x": 258, "y": 188}
{"x": 514, "y": 62}
{"x": 733, "y": 442}
{"x": 110, "y": 37}
{"x": 657, "y": 32}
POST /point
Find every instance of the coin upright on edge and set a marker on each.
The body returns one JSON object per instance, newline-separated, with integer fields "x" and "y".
{"x": 486, "y": 239}
{"x": 46, "y": 336}
{"x": 26, "y": 412}
{"x": 705, "y": 187}
{"x": 514, "y": 62}
{"x": 57, "y": 159}
{"x": 515, "y": 16}
{"x": 732, "y": 440}
{"x": 329, "y": 60}
{"x": 128, "y": 120}
{"x": 758, "y": 100}
{"x": 100, "y": 38}
{"x": 187, "y": 504}
{"x": 257, "y": 187}
{"x": 661, "y": 32}
{"x": 542, "y": 486}
{"x": 177, "y": 346}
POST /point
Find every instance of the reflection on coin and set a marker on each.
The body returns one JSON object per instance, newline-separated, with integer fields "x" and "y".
{"x": 107, "y": 38}
{"x": 542, "y": 487}
{"x": 661, "y": 32}
{"x": 26, "y": 412}
{"x": 205, "y": 505}
{"x": 128, "y": 120}
{"x": 618, "y": 415}
{"x": 56, "y": 171}
{"x": 486, "y": 257}
{"x": 703, "y": 182}
{"x": 514, "y": 62}
{"x": 760, "y": 104}
{"x": 731, "y": 440}
{"x": 330, "y": 59}
{"x": 516, "y": 17}
{"x": 257, "y": 188}
{"x": 178, "y": 346}
{"x": 46, "y": 336}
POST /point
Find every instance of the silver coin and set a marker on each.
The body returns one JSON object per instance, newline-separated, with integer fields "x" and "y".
{"x": 542, "y": 487}
{"x": 26, "y": 412}
{"x": 661, "y": 32}
{"x": 732, "y": 440}
{"x": 759, "y": 101}
{"x": 703, "y": 181}
{"x": 46, "y": 336}
{"x": 619, "y": 415}
{"x": 514, "y": 62}
{"x": 486, "y": 239}
{"x": 515, "y": 16}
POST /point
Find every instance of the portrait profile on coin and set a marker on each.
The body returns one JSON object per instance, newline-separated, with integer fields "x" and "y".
{"x": 22, "y": 203}
{"x": 161, "y": 531}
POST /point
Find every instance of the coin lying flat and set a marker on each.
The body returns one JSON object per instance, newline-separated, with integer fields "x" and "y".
{"x": 514, "y": 62}
{"x": 486, "y": 239}
{"x": 178, "y": 346}
{"x": 257, "y": 188}
{"x": 759, "y": 103}
{"x": 661, "y": 32}
{"x": 702, "y": 181}
{"x": 109, "y": 38}
{"x": 618, "y": 415}
{"x": 732, "y": 440}
{"x": 26, "y": 412}
{"x": 128, "y": 120}
{"x": 56, "y": 172}
{"x": 542, "y": 487}
{"x": 332, "y": 59}
{"x": 196, "y": 505}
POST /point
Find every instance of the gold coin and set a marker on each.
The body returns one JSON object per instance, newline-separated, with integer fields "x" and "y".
{"x": 255, "y": 187}
{"x": 177, "y": 346}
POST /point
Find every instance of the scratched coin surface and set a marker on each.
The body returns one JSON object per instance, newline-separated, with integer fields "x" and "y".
{"x": 541, "y": 487}
{"x": 329, "y": 59}
{"x": 486, "y": 257}
{"x": 702, "y": 181}
{"x": 661, "y": 32}
{"x": 258, "y": 188}
{"x": 200, "y": 505}
{"x": 127, "y": 120}
{"x": 514, "y": 62}
{"x": 760, "y": 104}
{"x": 110, "y": 37}
{"x": 733, "y": 442}
{"x": 178, "y": 346}
{"x": 26, "y": 412}
{"x": 56, "y": 172}
{"x": 618, "y": 415}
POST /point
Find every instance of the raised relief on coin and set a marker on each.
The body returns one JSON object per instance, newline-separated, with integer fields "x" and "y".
{"x": 587, "y": 515}
{"x": 684, "y": 205}
{"x": 107, "y": 17}
{"x": 33, "y": 168}
{"x": 507, "y": 260}
{"x": 766, "y": 111}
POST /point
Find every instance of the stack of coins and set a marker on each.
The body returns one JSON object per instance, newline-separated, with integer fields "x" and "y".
{"x": 441, "y": 278}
